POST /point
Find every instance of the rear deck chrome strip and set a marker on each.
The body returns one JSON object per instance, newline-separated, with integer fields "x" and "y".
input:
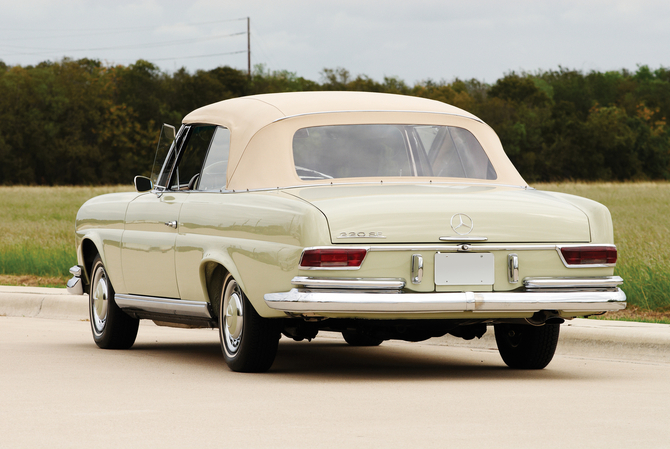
{"x": 467, "y": 247}
{"x": 167, "y": 306}
{"x": 471, "y": 247}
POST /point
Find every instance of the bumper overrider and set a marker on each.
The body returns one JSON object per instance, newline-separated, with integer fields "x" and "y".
{"x": 316, "y": 296}
{"x": 74, "y": 284}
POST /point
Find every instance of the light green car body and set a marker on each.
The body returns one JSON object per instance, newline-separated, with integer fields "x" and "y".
{"x": 168, "y": 250}
{"x": 258, "y": 237}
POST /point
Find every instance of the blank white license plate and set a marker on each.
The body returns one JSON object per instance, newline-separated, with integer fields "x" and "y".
{"x": 464, "y": 269}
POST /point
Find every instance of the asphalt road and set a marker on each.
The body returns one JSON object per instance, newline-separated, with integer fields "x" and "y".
{"x": 172, "y": 389}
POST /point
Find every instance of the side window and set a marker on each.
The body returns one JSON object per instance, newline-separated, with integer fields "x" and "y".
{"x": 191, "y": 157}
{"x": 213, "y": 176}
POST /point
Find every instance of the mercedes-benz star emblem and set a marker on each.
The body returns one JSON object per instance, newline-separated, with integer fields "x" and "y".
{"x": 462, "y": 224}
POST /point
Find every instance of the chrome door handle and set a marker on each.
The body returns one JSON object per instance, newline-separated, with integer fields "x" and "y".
{"x": 172, "y": 224}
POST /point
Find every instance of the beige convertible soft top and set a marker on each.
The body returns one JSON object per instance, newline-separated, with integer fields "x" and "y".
{"x": 262, "y": 129}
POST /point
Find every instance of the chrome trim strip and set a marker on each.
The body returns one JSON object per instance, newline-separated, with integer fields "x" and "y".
{"x": 329, "y": 268}
{"x": 463, "y": 239}
{"x": 592, "y": 265}
{"x": 466, "y": 247}
{"x": 296, "y": 301}
{"x": 410, "y": 181}
{"x": 476, "y": 119}
{"x": 566, "y": 282}
{"x": 487, "y": 248}
{"x": 349, "y": 283}
{"x": 166, "y": 306}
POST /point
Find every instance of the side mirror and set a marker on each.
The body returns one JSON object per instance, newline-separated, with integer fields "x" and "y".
{"x": 169, "y": 131}
{"x": 142, "y": 184}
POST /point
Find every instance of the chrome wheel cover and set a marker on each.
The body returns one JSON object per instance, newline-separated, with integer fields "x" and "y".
{"x": 232, "y": 324}
{"x": 99, "y": 301}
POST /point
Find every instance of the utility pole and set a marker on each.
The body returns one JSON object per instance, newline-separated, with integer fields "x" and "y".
{"x": 249, "y": 47}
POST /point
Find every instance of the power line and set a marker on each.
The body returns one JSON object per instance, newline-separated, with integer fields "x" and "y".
{"x": 84, "y": 32}
{"x": 142, "y": 28}
{"x": 130, "y": 46}
{"x": 199, "y": 56}
{"x": 260, "y": 45}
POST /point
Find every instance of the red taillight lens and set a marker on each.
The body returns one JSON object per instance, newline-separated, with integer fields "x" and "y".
{"x": 589, "y": 255}
{"x": 333, "y": 257}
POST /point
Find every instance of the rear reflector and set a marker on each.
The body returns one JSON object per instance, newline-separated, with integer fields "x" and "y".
{"x": 589, "y": 255}
{"x": 333, "y": 258}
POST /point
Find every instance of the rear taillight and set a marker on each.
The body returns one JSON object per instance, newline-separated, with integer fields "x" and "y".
{"x": 333, "y": 258}
{"x": 589, "y": 255}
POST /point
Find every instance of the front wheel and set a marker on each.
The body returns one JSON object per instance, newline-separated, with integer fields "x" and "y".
{"x": 112, "y": 328}
{"x": 523, "y": 346}
{"x": 248, "y": 341}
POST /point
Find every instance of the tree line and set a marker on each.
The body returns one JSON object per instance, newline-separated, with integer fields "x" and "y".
{"x": 80, "y": 122}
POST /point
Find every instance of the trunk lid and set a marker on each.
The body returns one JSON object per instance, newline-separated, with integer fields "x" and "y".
{"x": 424, "y": 213}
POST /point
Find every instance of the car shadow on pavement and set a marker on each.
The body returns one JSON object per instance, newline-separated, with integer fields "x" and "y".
{"x": 330, "y": 357}
{"x": 398, "y": 361}
{"x": 200, "y": 353}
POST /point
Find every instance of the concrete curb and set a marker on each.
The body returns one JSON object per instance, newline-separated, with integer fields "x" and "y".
{"x": 579, "y": 337}
{"x": 615, "y": 340}
{"x": 40, "y": 302}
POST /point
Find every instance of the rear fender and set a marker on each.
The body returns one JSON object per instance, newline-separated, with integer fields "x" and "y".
{"x": 211, "y": 281}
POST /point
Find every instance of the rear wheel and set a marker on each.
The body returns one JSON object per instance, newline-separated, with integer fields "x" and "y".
{"x": 356, "y": 338}
{"x": 248, "y": 341}
{"x": 523, "y": 346}
{"x": 112, "y": 328}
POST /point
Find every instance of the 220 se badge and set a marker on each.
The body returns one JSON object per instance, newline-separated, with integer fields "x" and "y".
{"x": 376, "y": 216}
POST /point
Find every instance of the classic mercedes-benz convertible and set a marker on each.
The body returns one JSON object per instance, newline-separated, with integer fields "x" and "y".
{"x": 377, "y": 216}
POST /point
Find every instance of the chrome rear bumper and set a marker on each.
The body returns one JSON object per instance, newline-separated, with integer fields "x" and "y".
{"x": 591, "y": 295}
{"x": 297, "y": 301}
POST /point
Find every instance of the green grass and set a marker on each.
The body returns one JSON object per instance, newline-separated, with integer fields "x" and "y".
{"x": 37, "y": 232}
{"x": 37, "y": 228}
{"x": 642, "y": 318}
{"x": 641, "y": 217}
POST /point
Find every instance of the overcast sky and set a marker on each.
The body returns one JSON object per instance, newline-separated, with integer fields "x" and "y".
{"x": 410, "y": 39}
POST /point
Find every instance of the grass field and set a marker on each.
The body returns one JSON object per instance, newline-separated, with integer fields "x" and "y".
{"x": 641, "y": 217}
{"x": 37, "y": 232}
{"x": 37, "y": 235}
